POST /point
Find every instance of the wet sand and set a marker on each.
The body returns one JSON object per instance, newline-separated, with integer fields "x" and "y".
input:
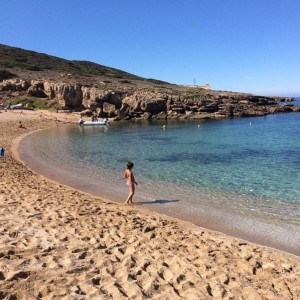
{"x": 60, "y": 243}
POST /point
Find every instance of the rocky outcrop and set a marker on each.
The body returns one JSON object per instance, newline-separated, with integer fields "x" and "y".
{"x": 144, "y": 104}
{"x": 69, "y": 96}
{"x": 287, "y": 108}
{"x": 14, "y": 85}
{"x": 149, "y": 103}
{"x": 106, "y": 102}
{"x": 66, "y": 95}
{"x": 37, "y": 89}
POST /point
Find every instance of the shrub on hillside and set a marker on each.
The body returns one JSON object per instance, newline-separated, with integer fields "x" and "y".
{"x": 6, "y": 75}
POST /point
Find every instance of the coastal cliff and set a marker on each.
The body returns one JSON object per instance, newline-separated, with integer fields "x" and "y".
{"x": 149, "y": 103}
{"x": 91, "y": 88}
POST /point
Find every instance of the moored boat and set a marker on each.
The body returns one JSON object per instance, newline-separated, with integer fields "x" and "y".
{"x": 104, "y": 122}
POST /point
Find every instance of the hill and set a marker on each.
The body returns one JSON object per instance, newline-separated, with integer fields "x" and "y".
{"x": 31, "y": 77}
{"x": 17, "y": 58}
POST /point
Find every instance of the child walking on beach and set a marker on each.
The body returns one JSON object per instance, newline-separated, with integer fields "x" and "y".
{"x": 128, "y": 175}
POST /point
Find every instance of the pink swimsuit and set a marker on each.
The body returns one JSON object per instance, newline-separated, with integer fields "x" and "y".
{"x": 129, "y": 182}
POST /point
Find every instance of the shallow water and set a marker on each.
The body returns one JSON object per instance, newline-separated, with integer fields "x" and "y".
{"x": 228, "y": 175}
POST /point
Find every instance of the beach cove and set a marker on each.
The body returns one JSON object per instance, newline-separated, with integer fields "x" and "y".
{"x": 223, "y": 175}
{"x": 58, "y": 242}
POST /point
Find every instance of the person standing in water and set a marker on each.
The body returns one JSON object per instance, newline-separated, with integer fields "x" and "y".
{"x": 128, "y": 175}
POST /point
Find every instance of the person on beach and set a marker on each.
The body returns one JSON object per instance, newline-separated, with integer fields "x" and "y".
{"x": 94, "y": 118}
{"x": 20, "y": 125}
{"x": 128, "y": 175}
{"x": 2, "y": 150}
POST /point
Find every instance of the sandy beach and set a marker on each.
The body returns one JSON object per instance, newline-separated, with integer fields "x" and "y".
{"x": 60, "y": 243}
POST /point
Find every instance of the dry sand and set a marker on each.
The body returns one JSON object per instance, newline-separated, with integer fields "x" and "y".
{"x": 59, "y": 243}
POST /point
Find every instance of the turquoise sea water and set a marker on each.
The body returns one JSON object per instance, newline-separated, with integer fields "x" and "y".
{"x": 224, "y": 174}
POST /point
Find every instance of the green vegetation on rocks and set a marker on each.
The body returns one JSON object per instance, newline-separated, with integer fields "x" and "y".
{"x": 33, "y": 103}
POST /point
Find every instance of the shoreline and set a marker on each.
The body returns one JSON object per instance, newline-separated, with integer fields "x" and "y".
{"x": 73, "y": 241}
{"x": 266, "y": 233}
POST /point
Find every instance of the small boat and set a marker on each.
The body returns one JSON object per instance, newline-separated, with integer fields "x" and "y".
{"x": 104, "y": 122}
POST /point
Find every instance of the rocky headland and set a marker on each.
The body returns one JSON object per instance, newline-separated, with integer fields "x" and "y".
{"x": 144, "y": 103}
{"x": 88, "y": 88}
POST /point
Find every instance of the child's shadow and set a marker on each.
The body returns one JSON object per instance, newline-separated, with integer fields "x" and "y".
{"x": 157, "y": 201}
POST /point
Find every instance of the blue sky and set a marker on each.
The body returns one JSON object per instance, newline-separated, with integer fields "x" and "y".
{"x": 235, "y": 45}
